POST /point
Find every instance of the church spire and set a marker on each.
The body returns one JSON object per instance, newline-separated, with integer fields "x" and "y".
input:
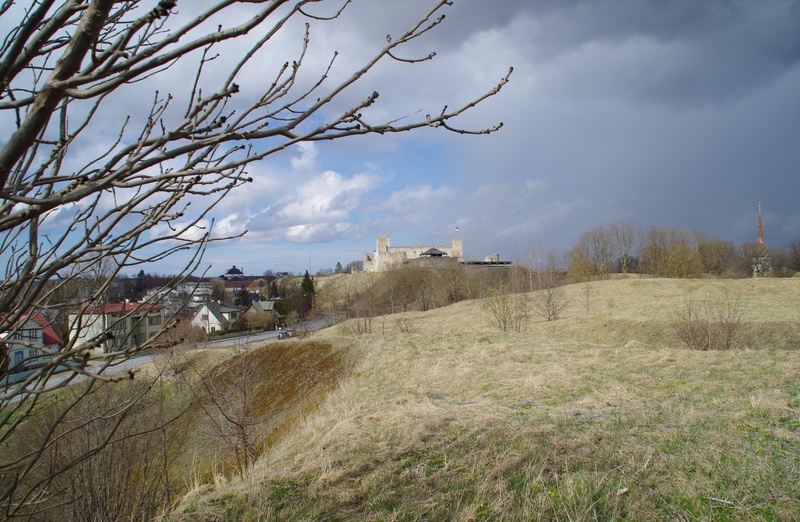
{"x": 760, "y": 227}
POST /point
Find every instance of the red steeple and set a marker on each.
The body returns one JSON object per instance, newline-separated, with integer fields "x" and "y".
{"x": 760, "y": 227}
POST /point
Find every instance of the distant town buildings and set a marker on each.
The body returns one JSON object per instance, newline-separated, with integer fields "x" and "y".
{"x": 185, "y": 296}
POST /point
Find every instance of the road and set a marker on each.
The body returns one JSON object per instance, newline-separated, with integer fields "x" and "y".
{"x": 131, "y": 363}
{"x": 247, "y": 341}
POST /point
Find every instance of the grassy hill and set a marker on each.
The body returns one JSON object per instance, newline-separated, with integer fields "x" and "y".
{"x": 601, "y": 415}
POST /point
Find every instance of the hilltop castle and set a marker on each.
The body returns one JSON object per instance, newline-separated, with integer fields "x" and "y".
{"x": 386, "y": 257}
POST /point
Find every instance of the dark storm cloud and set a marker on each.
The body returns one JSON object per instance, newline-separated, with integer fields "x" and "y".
{"x": 682, "y": 53}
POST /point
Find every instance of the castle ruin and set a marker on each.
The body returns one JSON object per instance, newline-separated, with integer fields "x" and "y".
{"x": 387, "y": 257}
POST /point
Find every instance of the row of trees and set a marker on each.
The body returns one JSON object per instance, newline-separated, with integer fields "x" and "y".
{"x": 673, "y": 252}
{"x": 514, "y": 293}
{"x": 618, "y": 248}
{"x": 407, "y": 288}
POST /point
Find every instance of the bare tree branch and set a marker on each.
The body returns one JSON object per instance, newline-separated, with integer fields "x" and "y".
{"x": 73, "y": 217}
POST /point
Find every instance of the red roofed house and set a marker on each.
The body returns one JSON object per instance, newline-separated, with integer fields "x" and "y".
{"x": 28, "y": 342}
{"x": 131, "y": 323}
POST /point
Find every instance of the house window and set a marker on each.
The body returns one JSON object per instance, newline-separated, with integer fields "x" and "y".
{"x": 152, "y": 320}
{"x": 31, "y": 352}
{"x": 204, "y": 317}
{"x": 27, "y": 335}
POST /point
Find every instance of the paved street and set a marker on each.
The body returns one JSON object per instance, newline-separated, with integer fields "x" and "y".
{"x": 244, "y": 343}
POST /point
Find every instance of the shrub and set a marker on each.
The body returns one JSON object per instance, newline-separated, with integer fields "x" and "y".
{"x": 509, "y": 311}
{"x": 709, "y": 325}
{"x": 406, "y": 324}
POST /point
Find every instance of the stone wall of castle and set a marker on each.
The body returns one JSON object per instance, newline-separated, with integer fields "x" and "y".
{"x": 387, "y": 257}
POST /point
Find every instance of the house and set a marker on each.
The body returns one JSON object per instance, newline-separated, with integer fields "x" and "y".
{"x": 262, "y": 314}
{"x": 198, "y": 293}
{"x": 214, "y": 316}
{"x": 27, "y": 343}
{"x": 182, "y": 298}
{"x": 172, "y": 301}
{"x": 131, "y": 323}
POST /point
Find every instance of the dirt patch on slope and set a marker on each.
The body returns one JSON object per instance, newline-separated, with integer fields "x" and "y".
{"x": 265, "y": 391}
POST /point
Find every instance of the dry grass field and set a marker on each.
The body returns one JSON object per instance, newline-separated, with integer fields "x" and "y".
{"x": 601, "y": 415}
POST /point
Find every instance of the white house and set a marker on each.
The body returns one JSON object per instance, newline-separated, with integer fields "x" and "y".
{"x": 213, "y": 316}
{"x": 27, "y": 344}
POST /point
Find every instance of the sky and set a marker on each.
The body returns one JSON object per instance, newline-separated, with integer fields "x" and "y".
{"x": 679, "y": 113}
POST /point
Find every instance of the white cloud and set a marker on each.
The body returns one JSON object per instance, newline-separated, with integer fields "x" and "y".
{"x": 229, "y": 226}
{"x": 307, "y": 160}
{"x": 188, "y": 232}
{"x": 321, "y": 206}
{"x": 419, "y": 199}
{"x": 328, "y": 195}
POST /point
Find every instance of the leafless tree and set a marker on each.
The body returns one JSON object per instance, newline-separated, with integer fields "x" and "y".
{"x": 592, "y": 255}
{"x": 229, "y": 403}
{"x": 146, "y": 190}
{"x": 509, "y": 310}
{"x": 579, "y": 260}
{"x": 535, "y": 267}
{"x": 669, "y": 252}
{"x": 624, "y": 239}
{"x": 754, "y": 259}
{"x": 601, "y": 241}
{"x": 550, "y": 300}
{"x": 715, "y": 255}
{"x": 403, "y": 284}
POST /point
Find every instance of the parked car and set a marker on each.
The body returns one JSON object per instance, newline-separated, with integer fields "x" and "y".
{"x": 283, "y": 335}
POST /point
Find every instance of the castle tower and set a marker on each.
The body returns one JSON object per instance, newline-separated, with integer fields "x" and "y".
{"x": 457, "y": 249}
{"x": 760, "y": 227}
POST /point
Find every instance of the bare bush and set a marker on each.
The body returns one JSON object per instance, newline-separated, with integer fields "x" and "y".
{"x": 509, "y": 311}
{"x": 302, "y": 332}
{"x": 101, "y": 459}
{"x": 550, "y": 300}
{"x": 187, "y": 334}
{"x": 406, "y": 324}
{"x": 230, "y": 406}
{"x": 709, "y": 324}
